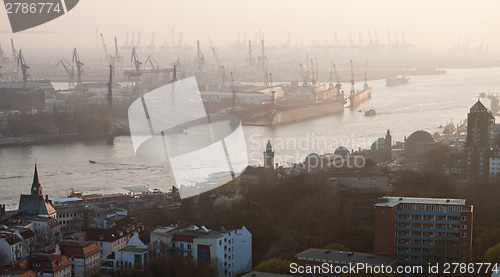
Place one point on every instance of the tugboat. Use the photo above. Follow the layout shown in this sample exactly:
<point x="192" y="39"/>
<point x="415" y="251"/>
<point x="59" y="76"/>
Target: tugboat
<point x="396" y="80"/>
<point x="370" y="112"/>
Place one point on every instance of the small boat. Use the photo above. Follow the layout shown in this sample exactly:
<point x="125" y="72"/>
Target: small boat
<point x="92" y="162"/>
<point x="396" y="80"/>
<point x="370" y="112"/>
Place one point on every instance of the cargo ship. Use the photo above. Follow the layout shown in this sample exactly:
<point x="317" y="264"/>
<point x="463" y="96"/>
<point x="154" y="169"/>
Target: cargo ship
<point x="300" y="103"/>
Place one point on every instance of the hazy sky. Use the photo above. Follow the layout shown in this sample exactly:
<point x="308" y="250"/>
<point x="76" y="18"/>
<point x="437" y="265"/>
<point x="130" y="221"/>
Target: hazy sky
<point x="427" y="23"/>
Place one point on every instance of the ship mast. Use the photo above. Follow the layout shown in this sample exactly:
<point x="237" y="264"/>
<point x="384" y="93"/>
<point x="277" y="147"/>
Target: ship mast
<point x="352" y="80"/>
<point x="366" y="74"/>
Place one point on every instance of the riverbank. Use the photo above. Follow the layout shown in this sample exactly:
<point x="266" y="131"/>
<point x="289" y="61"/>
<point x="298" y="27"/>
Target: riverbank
<point x="40" y="140"/>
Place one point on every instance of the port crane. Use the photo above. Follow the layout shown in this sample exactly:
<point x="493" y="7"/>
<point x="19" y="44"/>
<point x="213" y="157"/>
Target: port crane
<point x="125" y="43"/>
<point x="152" y="46"/>
<point x="79" y="67"/>
<point x="262" y="58"/>
<point x="137" y="65"/>
<point x="118" y="57"/>
<point x="180" y="68"/>
<point x="24" y="67"/>
<point x="70" y="69"/>
<point x="199" y="59"/>
<point x="108" y="62"/>
<point x="138" y="45"/>
<point x="250" y="59"/>
<point x="14" y="55"/>
<point x="155" y="68"/>
<point x="222" y="70"/>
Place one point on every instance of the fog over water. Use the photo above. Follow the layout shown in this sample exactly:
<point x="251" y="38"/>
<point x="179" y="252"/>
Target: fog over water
<point x="427" y="24"/>
<point x="425" y="104"/>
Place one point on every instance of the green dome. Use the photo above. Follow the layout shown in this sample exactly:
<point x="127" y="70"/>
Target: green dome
<point x="341" y="150"/>
<point x="312" y="156"/>
<point x="378" y="144"/>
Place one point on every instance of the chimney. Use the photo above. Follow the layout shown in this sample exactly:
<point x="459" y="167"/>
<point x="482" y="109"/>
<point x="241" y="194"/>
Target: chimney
<point x="46" y="198"/>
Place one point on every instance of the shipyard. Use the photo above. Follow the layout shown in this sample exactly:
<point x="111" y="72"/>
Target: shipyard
<point x="268" y="138"/>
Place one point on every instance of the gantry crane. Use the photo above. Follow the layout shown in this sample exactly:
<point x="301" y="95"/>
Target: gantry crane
<point x="222" y="70"/>
<point x="24" y="67"/>
<point x="137" y="65"/>
<point x="79" y="67"/>
<point x="262" y="58"/>
<point x="70" y="69"/>
<point x="155" y="68"/>
<point x="108" y="61"/>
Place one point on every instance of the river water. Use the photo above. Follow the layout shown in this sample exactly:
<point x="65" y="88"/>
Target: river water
<point x="425" y="104"/>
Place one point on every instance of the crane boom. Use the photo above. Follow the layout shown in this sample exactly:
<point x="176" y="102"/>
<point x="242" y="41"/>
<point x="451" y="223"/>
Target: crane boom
<point x="24" y="67"/>
<point x="222" y="70"/>
<point x="78" y="63"/>
<point x="352" y="80"/>
<point x="71" y="72"/>
<point x="105" y="50"/>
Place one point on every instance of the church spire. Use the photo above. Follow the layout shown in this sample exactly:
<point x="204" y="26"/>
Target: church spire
<point x="36" y="188"/>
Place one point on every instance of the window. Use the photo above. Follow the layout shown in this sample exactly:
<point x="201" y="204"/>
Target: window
<point x="463" y="235"/>
<point x="464" y="218"/>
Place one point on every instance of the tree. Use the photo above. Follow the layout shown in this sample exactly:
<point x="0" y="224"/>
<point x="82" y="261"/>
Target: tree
<point x="274" y="265"/>
<point x="492" y="255"/>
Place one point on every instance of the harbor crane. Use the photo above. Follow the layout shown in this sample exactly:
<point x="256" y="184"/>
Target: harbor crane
<point x="70" y="69"/>
<point x="152" y="46"/>
<point x="262" y="58"/>
<point x="138" y="45"/>
<point x="118" y="57"/>
<point x="222" y="70"/>
<point x="125" y="43"/>
<point x="79" y="67"/>
<point x="199" y="59"/>
<point x="14" y="55"/>
<point x="155" y="68"/>
<point x="24" y="67"/>
<point x="250" y="59"/>
<point x="108" y="62"/>
<point x="137" y="65"/>
<point x="180" y="68"/>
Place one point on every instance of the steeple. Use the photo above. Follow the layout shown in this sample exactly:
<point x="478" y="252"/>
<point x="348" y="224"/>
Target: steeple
<point x="36" y="188"/>
<point x="269" y="156"/>
<point x="268" y="145"/>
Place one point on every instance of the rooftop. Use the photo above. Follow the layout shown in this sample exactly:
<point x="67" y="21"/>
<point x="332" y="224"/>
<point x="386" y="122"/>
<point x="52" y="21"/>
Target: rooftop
<point x="264" y="274"/>
<point x="344" y="256"/>
<point x="394" y="201"/>
<point x="133" y="249"/>
<point x="75" y="243"/>
<point x="358" y="174"/>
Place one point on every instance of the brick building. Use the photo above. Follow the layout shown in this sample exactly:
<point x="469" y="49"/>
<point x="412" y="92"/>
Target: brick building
<point x="423" y="230"/>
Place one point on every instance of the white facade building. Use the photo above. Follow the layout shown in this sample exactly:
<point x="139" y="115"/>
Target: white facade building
<point x="230" y="250"/>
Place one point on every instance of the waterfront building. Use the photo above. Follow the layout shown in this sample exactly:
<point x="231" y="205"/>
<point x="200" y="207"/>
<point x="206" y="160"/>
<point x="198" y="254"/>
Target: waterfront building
<point x="423" y="230"/>
<point x="480" y="137"/>
<point x="230" y="250"/>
